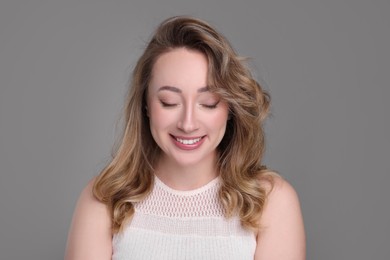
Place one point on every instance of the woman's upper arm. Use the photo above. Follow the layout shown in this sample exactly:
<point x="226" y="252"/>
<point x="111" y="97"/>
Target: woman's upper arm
<point x="282" y="234"/>
<point x="90" y="232"/>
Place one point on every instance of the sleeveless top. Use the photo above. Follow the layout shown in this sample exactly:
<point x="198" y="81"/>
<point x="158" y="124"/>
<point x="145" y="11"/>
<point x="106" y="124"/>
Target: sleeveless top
<point x="172" y="224"/>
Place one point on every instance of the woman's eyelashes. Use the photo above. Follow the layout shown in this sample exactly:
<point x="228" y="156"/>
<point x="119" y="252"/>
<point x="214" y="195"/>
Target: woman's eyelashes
<point x="167" y="104"/>
<point x="205" y="105"/>
<point x="211" y="106"/>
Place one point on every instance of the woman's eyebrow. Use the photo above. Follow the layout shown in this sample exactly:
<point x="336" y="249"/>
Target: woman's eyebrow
<point x="204" y="89"/>
<point x="170" y="88"/>
<point x="177" y="90"/>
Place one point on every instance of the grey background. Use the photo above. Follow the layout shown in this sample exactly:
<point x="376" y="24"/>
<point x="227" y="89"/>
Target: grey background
<point x="64" y="67"/>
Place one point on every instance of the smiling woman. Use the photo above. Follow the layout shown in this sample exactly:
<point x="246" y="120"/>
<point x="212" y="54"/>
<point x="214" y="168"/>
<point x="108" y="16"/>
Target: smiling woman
<point x="186" y="181"/>
<point x="187" y="121"/>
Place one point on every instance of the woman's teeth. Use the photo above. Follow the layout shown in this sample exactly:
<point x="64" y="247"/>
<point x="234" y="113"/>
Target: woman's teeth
<point x="188" y="141"/>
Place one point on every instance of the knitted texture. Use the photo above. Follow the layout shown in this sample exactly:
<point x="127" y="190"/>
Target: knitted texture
<point x="171" y="224"/>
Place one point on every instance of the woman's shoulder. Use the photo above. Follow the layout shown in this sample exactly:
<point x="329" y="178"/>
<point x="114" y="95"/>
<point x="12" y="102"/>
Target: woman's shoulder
<point x="281" y="195"/>
<point x="281" y="218"/>
<point x="88" y="203"/>
<point x="90" y="232"/>
<point x="275" y="185"/>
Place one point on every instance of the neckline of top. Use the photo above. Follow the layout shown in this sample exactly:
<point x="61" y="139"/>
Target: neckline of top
<point x="192" y="192"/>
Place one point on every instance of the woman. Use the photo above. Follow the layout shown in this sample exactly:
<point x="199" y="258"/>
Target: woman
<point x="186" y="181"/>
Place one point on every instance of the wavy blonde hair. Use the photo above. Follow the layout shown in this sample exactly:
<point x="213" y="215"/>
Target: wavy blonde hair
<point x="128" y="178"/>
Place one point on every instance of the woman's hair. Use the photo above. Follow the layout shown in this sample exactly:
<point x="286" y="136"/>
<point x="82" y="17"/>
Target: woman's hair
<point x="128" y="178"/>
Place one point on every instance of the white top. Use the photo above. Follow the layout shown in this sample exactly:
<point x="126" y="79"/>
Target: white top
<point x="172" y="224"/>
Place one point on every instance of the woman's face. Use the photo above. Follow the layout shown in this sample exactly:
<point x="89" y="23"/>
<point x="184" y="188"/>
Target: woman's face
<point x="187" y="121"/>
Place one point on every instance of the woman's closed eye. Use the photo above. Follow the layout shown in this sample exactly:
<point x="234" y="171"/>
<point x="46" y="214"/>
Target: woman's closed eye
<point x="172" y="104"/>
<point x="167" y="104"/>
<point x="211" y="106"/>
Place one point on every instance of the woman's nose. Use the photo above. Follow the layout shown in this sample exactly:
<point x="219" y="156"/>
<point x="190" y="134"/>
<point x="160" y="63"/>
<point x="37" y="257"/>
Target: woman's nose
<point x="188" y="122"/>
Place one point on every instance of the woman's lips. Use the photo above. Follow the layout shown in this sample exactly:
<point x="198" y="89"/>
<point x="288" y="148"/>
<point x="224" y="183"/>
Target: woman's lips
<point x="187" y="143"/>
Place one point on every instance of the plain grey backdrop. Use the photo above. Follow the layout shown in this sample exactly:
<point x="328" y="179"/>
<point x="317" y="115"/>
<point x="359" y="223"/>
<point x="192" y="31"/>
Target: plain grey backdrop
<point x="64" y="68"/>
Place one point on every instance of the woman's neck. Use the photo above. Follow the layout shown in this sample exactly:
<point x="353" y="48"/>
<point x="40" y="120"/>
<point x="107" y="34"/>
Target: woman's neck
<point x="186" y="177"/>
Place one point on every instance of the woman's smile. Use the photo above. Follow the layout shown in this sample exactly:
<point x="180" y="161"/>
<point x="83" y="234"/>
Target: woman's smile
<point x="188" y="143"/>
